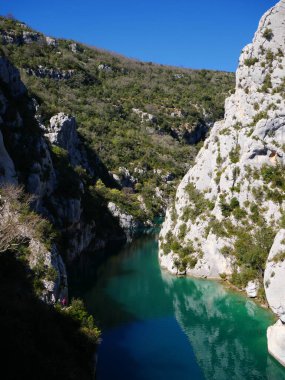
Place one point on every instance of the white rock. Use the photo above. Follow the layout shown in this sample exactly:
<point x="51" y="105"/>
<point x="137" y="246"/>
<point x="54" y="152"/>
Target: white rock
<point x="73" y="47"/>
<point x="105" y="68"/>
<point x="51" y="73"/>
<point x="127" y="222"/>
<point x="256" y="145"/>
<point x="276" y="341"/>
<point x="274" y="277"/>
<point x="51" y="41"/>
<point x="145" y="117"/>
<point x="62" y="131"/>
<point x="252" y="289"/>
<point x="54" y="289"/>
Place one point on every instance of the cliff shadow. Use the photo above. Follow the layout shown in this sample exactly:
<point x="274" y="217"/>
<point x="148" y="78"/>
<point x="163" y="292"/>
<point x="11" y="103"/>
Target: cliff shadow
<point x="37" y="341"/>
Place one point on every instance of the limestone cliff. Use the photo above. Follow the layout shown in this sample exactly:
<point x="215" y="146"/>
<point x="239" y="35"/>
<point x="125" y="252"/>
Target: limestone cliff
<point x="53" y="165"/>
<point x="228" y="212"/>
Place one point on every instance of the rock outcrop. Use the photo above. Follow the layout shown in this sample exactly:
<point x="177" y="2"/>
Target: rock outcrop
<point x="126" y="221"/>
<point x="62" y="131"/>
<point x="230" y="205"/>
<point x="10" y="77"/>
<point x="51" y="73"/>
<point x="22" y="37"/>
<point x="144" y="116"/>
<point x="252" y="289"/>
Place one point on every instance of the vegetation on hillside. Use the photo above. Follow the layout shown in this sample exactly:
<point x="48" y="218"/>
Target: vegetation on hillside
<point x="137" y="115"/>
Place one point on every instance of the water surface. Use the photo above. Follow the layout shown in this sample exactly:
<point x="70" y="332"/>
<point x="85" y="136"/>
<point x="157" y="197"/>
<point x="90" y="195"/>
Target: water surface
<point x="156" y="326"/>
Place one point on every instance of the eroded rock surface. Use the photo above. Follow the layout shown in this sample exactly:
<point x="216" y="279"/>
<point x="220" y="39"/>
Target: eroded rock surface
<point x="228" y="166"/>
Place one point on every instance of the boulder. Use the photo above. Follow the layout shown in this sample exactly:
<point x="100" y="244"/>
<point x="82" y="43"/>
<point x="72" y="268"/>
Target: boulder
<point x="252" y="289"/>
<point x="145" y="117"/>
<point x="105" y="68"/>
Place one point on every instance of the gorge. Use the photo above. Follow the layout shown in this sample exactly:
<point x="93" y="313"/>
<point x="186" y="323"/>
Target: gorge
<point x="92" y="149"/>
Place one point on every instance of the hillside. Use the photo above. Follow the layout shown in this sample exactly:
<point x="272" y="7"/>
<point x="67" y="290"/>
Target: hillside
<point x="139" y="117"/>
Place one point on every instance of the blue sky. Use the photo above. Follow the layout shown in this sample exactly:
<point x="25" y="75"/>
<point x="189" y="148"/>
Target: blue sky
<point x="188" y="33"/>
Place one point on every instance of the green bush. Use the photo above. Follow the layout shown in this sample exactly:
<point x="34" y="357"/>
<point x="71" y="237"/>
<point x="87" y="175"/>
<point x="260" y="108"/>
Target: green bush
<point x="259" y="116"/>
<point x="235" y="154"/>
<point x="228" y="208"/>
<point x="268" y="34"/>
<point x="250" y="61"/>
<point x="252" y="251"/>
<point x="78" y="312"/>
<point x="199" y="203"/>
<point x="267" y="84"/>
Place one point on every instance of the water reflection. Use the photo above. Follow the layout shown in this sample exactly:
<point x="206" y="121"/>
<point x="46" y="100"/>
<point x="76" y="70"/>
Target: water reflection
<point x="227" y="332"/>
<point x="157" y="326"/>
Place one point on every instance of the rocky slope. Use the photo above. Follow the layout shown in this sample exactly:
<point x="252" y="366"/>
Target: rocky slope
<point x="228" y="216"/>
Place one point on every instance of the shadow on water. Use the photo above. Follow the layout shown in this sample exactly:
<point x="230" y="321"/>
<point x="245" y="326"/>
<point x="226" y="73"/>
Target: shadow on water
<point x="89" y="278"/>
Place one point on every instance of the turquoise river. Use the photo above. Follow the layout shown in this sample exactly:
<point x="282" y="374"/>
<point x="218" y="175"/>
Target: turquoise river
<point x="157" y="326"/>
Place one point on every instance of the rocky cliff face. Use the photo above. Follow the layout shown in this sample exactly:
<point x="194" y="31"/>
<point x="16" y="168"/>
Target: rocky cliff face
<point x="54" y="166"/>
<point x="11" y="120"/>
<point x="229" y="208"/>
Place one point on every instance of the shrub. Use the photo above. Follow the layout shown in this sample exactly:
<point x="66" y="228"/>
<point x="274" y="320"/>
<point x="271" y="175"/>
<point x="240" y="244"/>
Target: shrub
<point x="252" y="251"/>
<point x="182" y="231"/>
<point x="228" y="208"/>
<point x="259" y="116"/>
<point x="268" y="34"/>
<point x="250" y="61"/>
<point x="279" y="257"/>
<point x="234" y="154"/>
<point x="78" y="312"/>
<point x="267" y="84"/>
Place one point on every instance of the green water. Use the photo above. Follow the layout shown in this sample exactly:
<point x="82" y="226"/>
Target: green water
<point x="156" y="326"/>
